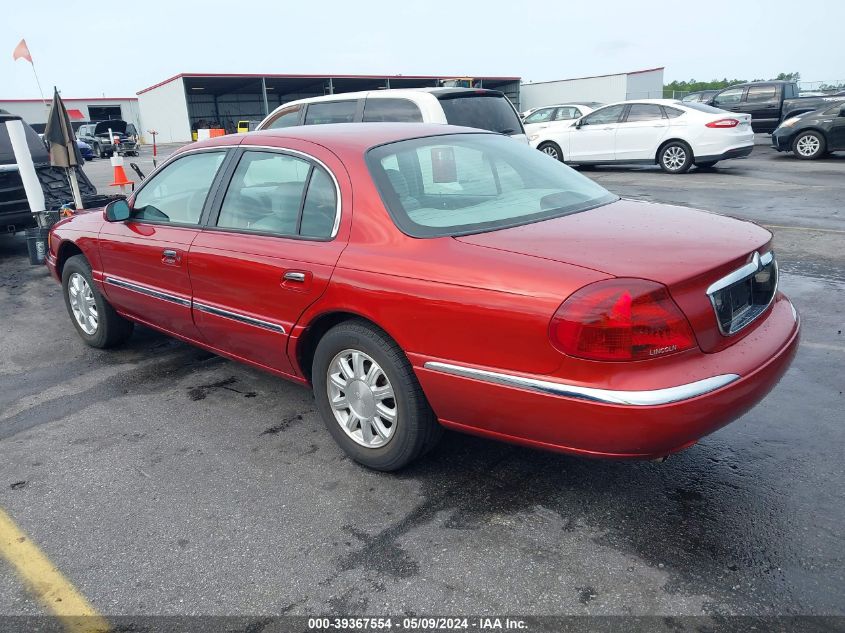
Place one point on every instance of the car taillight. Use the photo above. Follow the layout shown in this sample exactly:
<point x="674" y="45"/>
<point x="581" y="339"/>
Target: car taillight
<point x="619" y="320"/>
<point x="723" y="123"/>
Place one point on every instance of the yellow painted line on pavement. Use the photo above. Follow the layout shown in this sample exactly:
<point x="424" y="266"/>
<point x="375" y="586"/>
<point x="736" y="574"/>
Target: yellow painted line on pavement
<point x="47" y="583"/>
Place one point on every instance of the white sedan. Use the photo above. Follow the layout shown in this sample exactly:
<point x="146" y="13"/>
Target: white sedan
<point x="559" y="115"/>
<point x="672" y="134"/>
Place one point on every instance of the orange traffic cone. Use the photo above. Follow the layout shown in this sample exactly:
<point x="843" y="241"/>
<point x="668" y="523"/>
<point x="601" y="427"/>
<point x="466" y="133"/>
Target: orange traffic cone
<point x="120" y="179"/>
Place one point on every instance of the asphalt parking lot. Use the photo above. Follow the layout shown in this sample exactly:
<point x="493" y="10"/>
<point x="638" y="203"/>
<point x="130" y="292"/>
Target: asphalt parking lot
<point x="161" y="479"/>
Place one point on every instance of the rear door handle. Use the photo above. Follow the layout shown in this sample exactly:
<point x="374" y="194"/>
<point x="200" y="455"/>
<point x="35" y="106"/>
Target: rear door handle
<point x="170" y="256"/>
<point x="293" y="275"/>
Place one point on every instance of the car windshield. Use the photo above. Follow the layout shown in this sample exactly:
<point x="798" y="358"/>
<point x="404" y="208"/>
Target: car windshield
<point x="471" y="183"/>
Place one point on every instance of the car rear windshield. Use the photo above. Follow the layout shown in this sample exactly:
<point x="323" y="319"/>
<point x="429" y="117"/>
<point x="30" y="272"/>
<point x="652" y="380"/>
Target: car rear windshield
<point x="484" y="110"/>
<point x="702" y="107"/>
<point x="457" y="184"/>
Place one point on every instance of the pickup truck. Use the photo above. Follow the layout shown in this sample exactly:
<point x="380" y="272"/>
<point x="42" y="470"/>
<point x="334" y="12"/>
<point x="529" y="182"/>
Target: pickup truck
<point x="15" y="214"/>
<point x="768" y="102"/>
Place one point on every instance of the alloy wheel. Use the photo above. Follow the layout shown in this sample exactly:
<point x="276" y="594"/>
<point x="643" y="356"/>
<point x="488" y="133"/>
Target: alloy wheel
<point x="362" y="398"/>
<point x="82" y="303"/>
<point x="674" y="157"/>
<point x="551" y="151"/>
<point x="807" y="145"/>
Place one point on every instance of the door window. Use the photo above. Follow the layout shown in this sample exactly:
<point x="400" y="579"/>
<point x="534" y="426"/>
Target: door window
<point x="729" y="97"/>
<point x="280" y="194"/>
<point x="567" y="114"/>
<point x="330" y="112"/>
<point x="177" y="193"/>
<point x="540" y="116"/>
<point x="757" y="94"/>
<point x="644" y="112"/>
<point x="401" y="110"/>
<point x="286" y="118"/>
<point x="610" y="114"/>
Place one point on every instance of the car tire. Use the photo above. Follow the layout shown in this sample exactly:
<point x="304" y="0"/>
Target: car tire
<point x="809" y="145"/>
<point x="675" y="157"/>
<point x="551" y="149"/>
<point x="708" y="164"/>
<point x="83" y="301"/>
<point x="349" y="358"/>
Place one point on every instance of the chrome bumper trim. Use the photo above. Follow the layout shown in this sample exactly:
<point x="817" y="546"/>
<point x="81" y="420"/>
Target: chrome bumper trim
<point x="241" y="318"/>
<point x="150" y="292"/>
<point x="604" y="396"/>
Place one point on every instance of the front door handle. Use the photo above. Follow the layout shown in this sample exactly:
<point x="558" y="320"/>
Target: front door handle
<point x="293" y="275"/>
<point x="170" y="256"/>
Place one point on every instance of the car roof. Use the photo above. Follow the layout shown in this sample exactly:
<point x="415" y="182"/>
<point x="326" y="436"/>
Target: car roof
<point x="352" y="137"/>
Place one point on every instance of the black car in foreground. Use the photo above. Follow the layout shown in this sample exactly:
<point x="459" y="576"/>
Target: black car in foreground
<point x="812" y="134"/>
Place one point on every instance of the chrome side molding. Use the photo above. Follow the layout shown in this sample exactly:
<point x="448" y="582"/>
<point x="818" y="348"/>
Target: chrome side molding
<point x="150" y="292"/>
<point x="241" y="318"/>
<point x="605" y="396"/>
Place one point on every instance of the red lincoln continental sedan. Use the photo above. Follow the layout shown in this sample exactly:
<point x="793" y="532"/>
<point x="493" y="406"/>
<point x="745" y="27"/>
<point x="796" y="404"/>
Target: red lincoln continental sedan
<point x="426" y="276"/>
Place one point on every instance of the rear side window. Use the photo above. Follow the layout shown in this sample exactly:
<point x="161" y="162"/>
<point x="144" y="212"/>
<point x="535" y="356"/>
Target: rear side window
<point x="644" y="112"/>
<point x="281" y="194"/>
<point x="486" y="111"/>
<point x="330" y="112"/>
<point x="287" y="118"/>
<point x="761" y="93"/>
<point x="567" y="113"/>
<point x="673" y="113"/>
<point x="396" y="110"/>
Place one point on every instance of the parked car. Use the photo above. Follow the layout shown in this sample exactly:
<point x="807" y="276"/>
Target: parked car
<point x="85" y="150"/>
<point x="672" y="134"/>
<point x="768" y="102"/>
<point x="551" y="117"/>
<point x="811" y="135"/>
<point x="702" y="96"/>
<point x="15" y="214"/>
<point x="97" y="136"/>
<point x="472" y="107"/>
<point x="418" y="274"/>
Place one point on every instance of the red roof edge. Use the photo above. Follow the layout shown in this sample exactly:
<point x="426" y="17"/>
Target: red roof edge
<point x="48" y="101"/>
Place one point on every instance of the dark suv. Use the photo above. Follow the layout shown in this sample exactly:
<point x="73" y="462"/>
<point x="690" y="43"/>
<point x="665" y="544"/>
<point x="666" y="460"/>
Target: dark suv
<point x="15" y="214"/>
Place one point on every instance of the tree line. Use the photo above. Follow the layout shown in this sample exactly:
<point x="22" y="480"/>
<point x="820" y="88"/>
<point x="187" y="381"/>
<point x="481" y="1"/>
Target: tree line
<point x="693" y="85"/>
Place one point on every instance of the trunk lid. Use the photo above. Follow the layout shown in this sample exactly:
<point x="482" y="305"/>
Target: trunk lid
<point x="684" y="249"/>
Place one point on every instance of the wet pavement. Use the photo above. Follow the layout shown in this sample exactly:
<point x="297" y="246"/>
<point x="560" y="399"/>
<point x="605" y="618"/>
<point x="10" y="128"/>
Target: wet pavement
<point x="161" y="479"/>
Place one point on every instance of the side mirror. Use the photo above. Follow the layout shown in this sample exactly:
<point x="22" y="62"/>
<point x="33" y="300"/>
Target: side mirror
<point x="578" y="124"/>
<point x="118" y="211"/>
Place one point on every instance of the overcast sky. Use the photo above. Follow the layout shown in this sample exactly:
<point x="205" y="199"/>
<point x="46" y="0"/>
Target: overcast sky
<point x="537" y="41"/>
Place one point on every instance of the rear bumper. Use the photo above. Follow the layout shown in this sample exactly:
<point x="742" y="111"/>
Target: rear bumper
<point x="592" y="420"/>
<point x="736" y="152"/>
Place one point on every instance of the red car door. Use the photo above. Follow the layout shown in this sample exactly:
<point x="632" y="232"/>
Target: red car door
<point x="144" y="259"/>
<point x="267" y="253"/>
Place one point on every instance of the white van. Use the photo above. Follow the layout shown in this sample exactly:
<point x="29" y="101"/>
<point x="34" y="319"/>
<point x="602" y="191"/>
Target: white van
<point x="469" y="107"/>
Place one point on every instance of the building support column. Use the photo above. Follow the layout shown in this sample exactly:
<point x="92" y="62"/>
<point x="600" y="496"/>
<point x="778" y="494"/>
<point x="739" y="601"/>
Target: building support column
<point x="264" y="95"/>
<point x="331" y="86"/>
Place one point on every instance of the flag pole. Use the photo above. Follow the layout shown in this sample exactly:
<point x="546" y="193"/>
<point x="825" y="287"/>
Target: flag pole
<point x="37" y="81"/>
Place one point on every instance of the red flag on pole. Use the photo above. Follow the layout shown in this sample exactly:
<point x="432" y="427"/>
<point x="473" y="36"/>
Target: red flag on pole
<point x="22" y="51"/>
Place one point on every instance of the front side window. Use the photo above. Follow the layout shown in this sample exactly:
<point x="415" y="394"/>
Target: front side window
<point x="277" y="193"/>
<point x="286" y="118"/>
<point x="610" y="114"/>
<point x="177" y="193"/>
<point x="330" y="112"/>
<point x="470" y="183"/>
<point x="540" y="116"/>
<point x="728" y="97"/>
<point x="761" y="93"/>
<point x="397" y="110"/>
<point x="644" y="112"/>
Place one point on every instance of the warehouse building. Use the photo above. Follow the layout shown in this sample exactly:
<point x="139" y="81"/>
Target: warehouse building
<point x="179" y="106"/>
<point x="639" y="84"/>
<point x="34" y="111"/>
